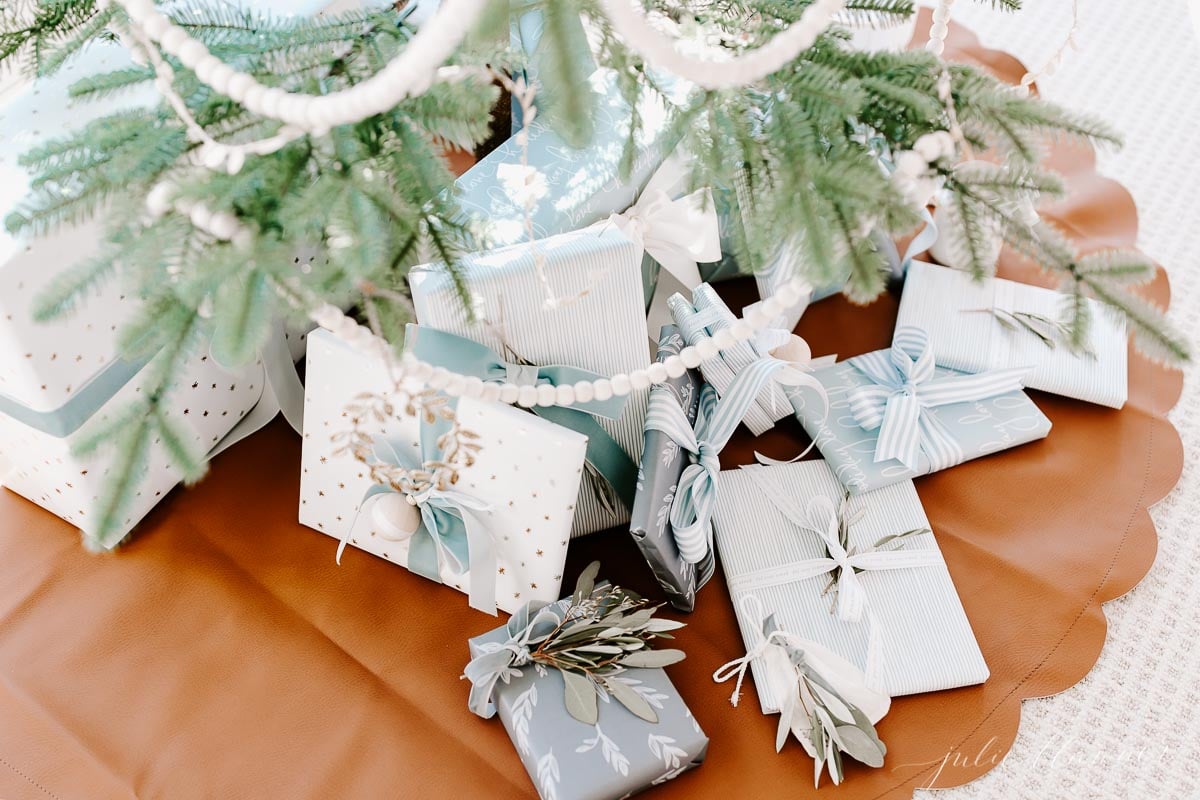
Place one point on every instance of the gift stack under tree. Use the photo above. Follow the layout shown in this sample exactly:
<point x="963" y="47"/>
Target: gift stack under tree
<point x="560" y="364"/>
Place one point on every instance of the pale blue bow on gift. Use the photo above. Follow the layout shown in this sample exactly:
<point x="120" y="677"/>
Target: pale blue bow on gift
<point x="904" y="390"/>
<point x="501" y="662"/>
<point x="453" y="530"/>
<point x="696" y="494"/>
<point x="467" y="357"/>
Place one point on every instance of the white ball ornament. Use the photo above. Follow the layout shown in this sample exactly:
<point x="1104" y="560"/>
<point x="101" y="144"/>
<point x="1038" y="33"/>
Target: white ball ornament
<point x="396" y="516"/>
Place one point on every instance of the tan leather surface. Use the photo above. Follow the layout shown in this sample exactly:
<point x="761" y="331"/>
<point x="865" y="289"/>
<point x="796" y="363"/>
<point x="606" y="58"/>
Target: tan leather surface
<point x="223" y="654"/>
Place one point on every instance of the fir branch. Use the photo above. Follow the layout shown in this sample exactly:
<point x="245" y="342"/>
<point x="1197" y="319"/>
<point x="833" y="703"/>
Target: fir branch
<point x="1154" y="337"/>
<point x="1122" y="267"/>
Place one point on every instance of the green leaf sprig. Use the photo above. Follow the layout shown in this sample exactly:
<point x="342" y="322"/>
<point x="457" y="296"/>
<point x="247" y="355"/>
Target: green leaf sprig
<point x="603" y="632"/>
<point x="846" y="519"/>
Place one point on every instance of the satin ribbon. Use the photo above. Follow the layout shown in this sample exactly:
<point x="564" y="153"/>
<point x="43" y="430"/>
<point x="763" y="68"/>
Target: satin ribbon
<point x="696" y="494"/>
<point x="926" y="237"/>
<point x="823" y="519"/>
<point x="452" y="532"/>
<point x="677" y="233"/>
<point x="467" y="357"/>
<point x="782" y="675"/>
<point x="903" y="391"/>
<point x="502" y="661"/>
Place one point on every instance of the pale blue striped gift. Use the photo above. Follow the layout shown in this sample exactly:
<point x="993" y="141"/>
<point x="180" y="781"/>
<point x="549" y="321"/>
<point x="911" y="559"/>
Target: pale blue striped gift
<point x="910" y="614"/>
<point x="953" y="308"/>
<point x="895" y="415"/>
<point x="603" y="329"/>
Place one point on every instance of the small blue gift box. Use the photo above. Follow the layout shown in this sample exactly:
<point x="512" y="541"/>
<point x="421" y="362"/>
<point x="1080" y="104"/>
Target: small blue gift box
<point x="571" y="760"/>
<point x="894" y="415"/>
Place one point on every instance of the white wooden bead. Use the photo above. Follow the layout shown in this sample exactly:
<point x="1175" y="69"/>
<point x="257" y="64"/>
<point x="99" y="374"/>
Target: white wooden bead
<point x="219" y="80"/>
<point x="253" y="96"/>
<point x="509" y="393"/>
<point x="565" y="395"/>
<point x="603" y="389"/>
<point x="675" y="366"/>
<point x="584" y="392"/>
<point x="439" y="378"/>
<point x="201" y="217"/>
<point x="420" y="370"/>
<point x="270" y="102"/>
<point x="772" y="307"/>
<point x="454" y="387"/>
<point x="723" y="338"/>
<point x="223" y="226"/>
<point x="639" y="380"/>
<point x="741" y="330"/>
<point x="190" y="52"/>
<point x="690" y="357"/>
<point x="490" y="392"/>
<point x="705" y="348"/>
<point x="239" y="85"/>
<point x="756" y="317"/>
<point x="547" y="394"/>
<point x="156" y="25"/>
<point x="657" y="372"/>
<point x="527" y="396"/>
<point x="621" y="385"/>
<point x="472" y="386"/>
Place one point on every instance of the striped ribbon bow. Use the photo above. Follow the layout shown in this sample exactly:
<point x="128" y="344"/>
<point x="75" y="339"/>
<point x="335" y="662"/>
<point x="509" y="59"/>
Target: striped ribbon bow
<point x="904" y="389"/>
<point x="845" y="563"/>
<point x="695" y="497"/>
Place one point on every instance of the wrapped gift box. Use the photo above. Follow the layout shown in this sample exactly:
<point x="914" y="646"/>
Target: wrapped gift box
<point x="619" y="756"/>
<point x="975" y="428"/>
<point x="705" y="314"/>
<point x="912" y="635"/>
<point x="663" y="463"/>
<point x="954" y="309"/>
<point x="59" y="378"/>
<point x="602" y="329"/>
<point x="527" y="472"/>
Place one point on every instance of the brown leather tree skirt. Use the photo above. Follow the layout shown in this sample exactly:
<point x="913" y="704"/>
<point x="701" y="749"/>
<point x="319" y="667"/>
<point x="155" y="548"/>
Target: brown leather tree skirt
<point x="223" y="654"/>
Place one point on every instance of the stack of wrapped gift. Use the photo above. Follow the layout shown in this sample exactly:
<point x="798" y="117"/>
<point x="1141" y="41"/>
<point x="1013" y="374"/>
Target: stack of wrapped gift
<point x="60" y="379"/>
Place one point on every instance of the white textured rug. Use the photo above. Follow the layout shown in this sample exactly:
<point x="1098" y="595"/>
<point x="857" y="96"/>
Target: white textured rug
<point x="1131" y="728"/>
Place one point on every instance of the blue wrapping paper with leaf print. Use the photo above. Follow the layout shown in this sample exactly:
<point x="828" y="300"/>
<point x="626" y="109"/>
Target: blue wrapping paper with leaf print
<point x="571" y="760"/>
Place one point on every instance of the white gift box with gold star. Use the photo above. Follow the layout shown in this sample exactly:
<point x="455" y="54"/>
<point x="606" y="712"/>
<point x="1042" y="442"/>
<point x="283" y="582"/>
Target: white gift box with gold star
<point x="522" y="485"/>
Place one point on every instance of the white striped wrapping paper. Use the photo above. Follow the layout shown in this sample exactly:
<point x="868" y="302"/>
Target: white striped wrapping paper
<point x="603" y="331"/>
<point x="941" y="301"/>
<point x="925" y="637"/>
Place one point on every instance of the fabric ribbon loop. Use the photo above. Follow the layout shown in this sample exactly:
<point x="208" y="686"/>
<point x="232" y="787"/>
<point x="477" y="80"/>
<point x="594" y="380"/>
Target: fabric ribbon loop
<point x="677" y="233"/>
<point x="904" y="387"/>
<point x="502" y="661"/>
<point x="467" y="357"/>
<point x="453" y="531"/>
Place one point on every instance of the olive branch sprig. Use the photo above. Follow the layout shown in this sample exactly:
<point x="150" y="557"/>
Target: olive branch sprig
<point x="603" y="632"/>
<point x="846" y="519"/>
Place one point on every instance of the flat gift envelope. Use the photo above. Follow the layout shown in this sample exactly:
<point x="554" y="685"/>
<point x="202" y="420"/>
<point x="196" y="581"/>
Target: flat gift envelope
<point x="912" y="636"/>
<point x="997" y="324"/>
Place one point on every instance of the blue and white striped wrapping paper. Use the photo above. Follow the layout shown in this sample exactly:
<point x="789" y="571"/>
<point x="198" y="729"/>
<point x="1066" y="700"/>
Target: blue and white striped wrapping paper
<point x="924" y="637"/>
<point x="603" y="330"/>
<point x="981" y="427"/>
<point x="943" y="302"/>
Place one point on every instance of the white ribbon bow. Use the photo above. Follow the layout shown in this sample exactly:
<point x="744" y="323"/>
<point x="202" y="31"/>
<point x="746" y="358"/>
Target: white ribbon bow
<point x="677" y="233"/>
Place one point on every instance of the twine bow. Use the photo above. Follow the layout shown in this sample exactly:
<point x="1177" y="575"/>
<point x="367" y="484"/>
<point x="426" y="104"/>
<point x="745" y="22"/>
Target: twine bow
<point x="903" y="390"/>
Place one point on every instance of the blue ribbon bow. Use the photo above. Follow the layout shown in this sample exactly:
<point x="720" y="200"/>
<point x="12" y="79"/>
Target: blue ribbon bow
<point x="467" y="357"/>
<point x="502" y="661"/>
<point x="696" y="494"/>
<point x="903" y="391"/>
<point x="452" y="530"/>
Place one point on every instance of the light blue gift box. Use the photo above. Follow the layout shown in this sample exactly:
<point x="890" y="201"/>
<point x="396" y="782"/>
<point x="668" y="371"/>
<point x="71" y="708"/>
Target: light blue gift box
<point x="620" y="755"/>
<point x="980" y="427"/>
